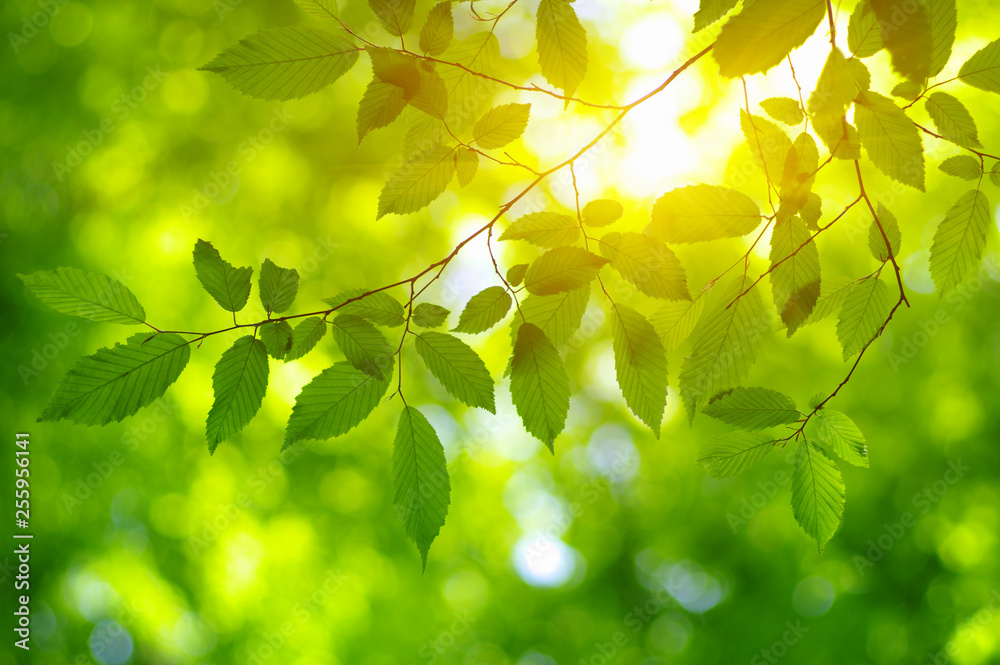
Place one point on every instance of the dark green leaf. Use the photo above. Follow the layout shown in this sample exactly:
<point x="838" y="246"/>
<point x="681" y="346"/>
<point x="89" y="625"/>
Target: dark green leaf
<point x="239" y="383"/>
<point x="230" y="286"/>
<point x="333" y="403"/>
<point x="277" y="338"/>
<point x="278" y="287"/>
<point x="515" y="274"/>
<point x="429" y="315"/>
<point x="908" y="39"/>
<point x="363" y="345"/>
<point x="305" y="336"/>
<point x="378" y="307"/>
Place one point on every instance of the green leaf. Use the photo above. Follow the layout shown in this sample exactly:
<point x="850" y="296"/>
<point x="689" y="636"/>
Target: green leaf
<point x="395" y="68"/>
<point x="420" y="180"/>
<point x="734" y="452"/>
<point x="473" y="94"/>
<point x="818" y="493"/>
<point x="795" y="281"/>
<point x="876" y="243"/>
<point x="769" y="144"/>
<point x="839" y="136"/>
<point x="960" y="240"/>
<point x="396" y="16"/>
<point x="432" y="94"/>
<point x="602" y="212"/>
<point x="842" y="435"/>
<point x="277" y="338"/>
<point x="836" y="87"/>
<point x="515" y="274"/>
<point x="421" y="490"/>
<point x="640" y="365"/>
<point x="864" y="36"/>
<point x="952" y="119"/>
<point x="545" y="229"/>
<point x="753" y="408"/>
<point x="305" y="336"/>
<point x="539" y="385"/>
<point x="812" y="210"/>
<point x="966" y="167"/>
<point x="501" y="125"/>
<point x="338" y="399"/>
<point x="647" y="263"/>
<point x="675" y="321"/>
<point x="562" y="269"/>
<point x="562" y="45"/>
<point x="726" y="342"/>
<point x="438" y="31"/>
<point x="378" y="307"/>
<point x="865" y="309"/>
<point x="380" y="106"/>
<point x="319" y="8"/>
<point x="710" y="11"/>
<point x="907" y="90"/>
<point x="891" y="140"/>
<point x="239" y="382"/>
<point x="429" y="315"/>
<point x="484" y="310"/>
<point x="799" y="173"/>
<point x="558" y="316"/>
<point x="760" y="36"/>
<point x="703" y="212"/>
<point x="285" y="63"/>
<point x="278" y="287"/>
<point x="117" y="382"/>
<point x="982" y="70"/>
<point x="944" y="21"/>
<point x="88" y="295"/>
<point x="783" y="109"/>
<point x="459" y="369"/>
<point x="908" y="39"/>
<point x="363" y="346"/>
<point x="466" y="165"/>
<point x="230" y="286"/>
<point x="831" y="299"/>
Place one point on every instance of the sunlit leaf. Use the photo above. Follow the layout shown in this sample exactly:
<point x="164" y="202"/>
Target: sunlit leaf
<point x="890" y="139"/>
<point x="363" y="345"/>
<point x="960" y="240"/>
<point x="562" y="45"/>
<point x="601" y="212"/>
<point x="378" y="307"/>
<point x="783" y="109"/>
<point x="795" y="281"/>
<point x="710" y="11"/>
<point x="277" y="338"/>
<point x="484" y="310"/>
<point x="982" y="70"/>
<point x="753" y="408"/>
<point x="842" y="436"/>
<point x="418" y="181"/>
<point x="760" y="36"/>
<point x="703" y="212"/>
<point x="862" y="315"/>
<point x="876" y="243"/>
<point x="675" y="321"/>
<point x="545" y="229"/>
<point x="437" y="33"/>
<point x="952" y="119"/>
<point x="396" y="16"/>
<point x="864" y="36"/>
<point x="429" y="315"/>
<point x="640" y="365"/>
<point x="305" y="336"/>
<point x="501" y="125"/>
<point x="734" y="452"/>
<point x="285" y="63"/>
<point x="562" y="269"/>
<point x="539" y="385"/>
<point x="647" y="263"/>
<point x="966" y="167"/>
<point x="229" y="285"/>
<point x="459" y="369"/>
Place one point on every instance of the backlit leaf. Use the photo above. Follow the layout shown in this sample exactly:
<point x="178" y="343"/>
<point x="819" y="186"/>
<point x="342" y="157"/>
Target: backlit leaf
<point x="703" y="212"/>
<point x="601" y="212"/>
<point x="876" y="243"/>
<point x="960" y="240"/>
<point x="753" y="408"/>
<point x="640" y="365"/>
<point x="982" y="70"/>
<point x="647" y="263"/>
<point x="484" y="310"/>
<point x="840" y="433"/>
<point x="783" y="109"/>
<point x="459" y="369"/>
<point x="227" y="284"/>
<point x="115" y="383"/>
<point x="378" y="307"/>
<point x="305" y="336"/>
<point x="396" y="16"/>
<point x="864" y="36"/>
<point x="966" y="167"/>
<point x="88" y="295"/>
<point x="890" y="139"/>
<point x="795" y="281"/>
<point x="675" y="321"/>
<point x="501" y="125"/>
<point x="865" y="309"/>
<point x="418" y="182"/>
<point x="562" y="45"/>
<point x="952" y="120"/>
<point x="438" y="31"/>
<point x="338" y="399"/>
<point x="734" y="452"/>
<point x="420" y="486"/>
<point x="562" y="269"/>
<point x="539" y="385"/>
<point x="760" y="36"/>
<point x="285" y="63"/>
<point x="239" y="383"/>
<point x="818" y="493"/>
<point x="363" y="345"/>
<point x="278" y="287"/>
<point x="429" y="315"/>
<point x="545" y="229"/>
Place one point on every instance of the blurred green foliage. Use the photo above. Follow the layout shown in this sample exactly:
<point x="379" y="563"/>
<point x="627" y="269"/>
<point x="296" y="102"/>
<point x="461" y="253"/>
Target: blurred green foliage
<point x="617" y="549"/>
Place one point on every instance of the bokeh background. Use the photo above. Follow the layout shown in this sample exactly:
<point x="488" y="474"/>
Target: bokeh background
<point x="618" y="549"/>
